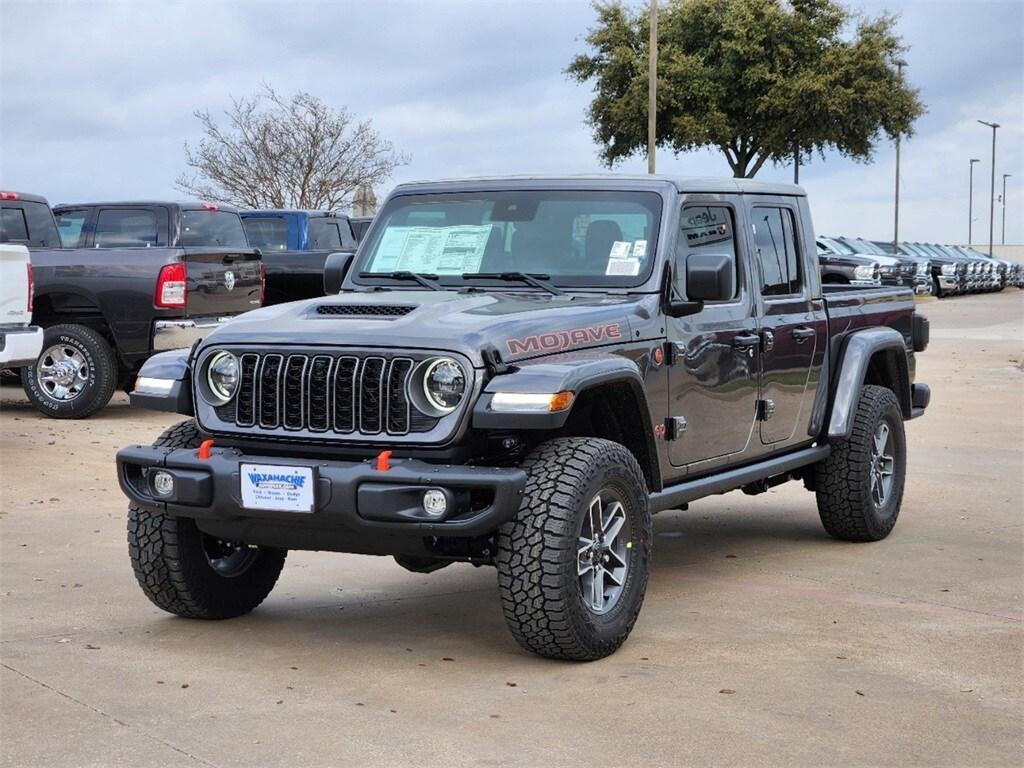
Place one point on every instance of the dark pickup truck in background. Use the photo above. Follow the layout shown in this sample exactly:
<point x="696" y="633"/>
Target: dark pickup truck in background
<point x="116" y="282"/>
<point x="295" y="246"/>
<point x="517" y="372"/>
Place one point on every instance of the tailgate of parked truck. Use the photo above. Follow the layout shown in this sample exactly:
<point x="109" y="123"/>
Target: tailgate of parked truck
<point x="222" y="281"/>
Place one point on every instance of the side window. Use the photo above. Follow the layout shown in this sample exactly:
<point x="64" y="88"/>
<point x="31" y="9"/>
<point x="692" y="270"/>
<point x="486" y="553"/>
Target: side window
<point x="776" y="251"/>
<point x="323" y="234"/>
<point x="348" y="239"/>
<point x="126" y="228"/>
<point x="69" y="226"/>
<point x="266" y="232"/>
<point x="13" y="228"/>
<point x="706" y="229"/>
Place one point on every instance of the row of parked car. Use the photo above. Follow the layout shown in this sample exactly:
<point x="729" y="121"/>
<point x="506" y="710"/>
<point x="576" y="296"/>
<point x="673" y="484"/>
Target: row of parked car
<point x="95" y="289"/>
<point x="928" y="268"/>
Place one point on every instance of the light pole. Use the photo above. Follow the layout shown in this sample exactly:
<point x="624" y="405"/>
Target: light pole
<point x="900" y="64"/>
<point x="652" y="87"/>
<point x="1005" y="177"/>
<point x="970" y="203"/>
<point x="992" y="192"/>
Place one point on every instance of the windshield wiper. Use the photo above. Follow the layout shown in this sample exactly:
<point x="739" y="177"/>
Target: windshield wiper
<point x="536" y="279"/>
<point x="424" y="279"/>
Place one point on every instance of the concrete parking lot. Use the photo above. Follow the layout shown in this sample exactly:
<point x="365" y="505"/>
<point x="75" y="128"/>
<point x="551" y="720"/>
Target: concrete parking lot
<point x="761" y="642"/>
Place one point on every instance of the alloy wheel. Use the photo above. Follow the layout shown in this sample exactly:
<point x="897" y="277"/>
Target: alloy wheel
<point x="603" y="552"/>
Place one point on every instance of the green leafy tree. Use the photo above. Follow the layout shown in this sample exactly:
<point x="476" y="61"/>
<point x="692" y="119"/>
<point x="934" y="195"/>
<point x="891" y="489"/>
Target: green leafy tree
<point x="759" y="80"/>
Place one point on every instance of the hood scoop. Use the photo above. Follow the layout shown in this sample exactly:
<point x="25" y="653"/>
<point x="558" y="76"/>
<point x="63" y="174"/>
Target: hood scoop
<point x="382" y="311"/>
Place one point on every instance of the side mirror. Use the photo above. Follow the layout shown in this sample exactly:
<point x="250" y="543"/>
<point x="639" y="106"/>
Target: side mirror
<point x="709" y="277"/>
<point x="335" y="269"/>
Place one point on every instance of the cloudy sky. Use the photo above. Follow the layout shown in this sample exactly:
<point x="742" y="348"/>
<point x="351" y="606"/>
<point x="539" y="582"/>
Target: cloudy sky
<point x="96" y="98"/>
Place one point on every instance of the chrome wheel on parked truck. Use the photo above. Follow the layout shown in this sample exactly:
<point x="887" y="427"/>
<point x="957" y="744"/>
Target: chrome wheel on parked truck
<point x="74" y="376"/>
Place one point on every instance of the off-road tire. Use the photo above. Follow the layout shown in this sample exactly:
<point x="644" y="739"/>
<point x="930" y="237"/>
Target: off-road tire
<point x="843" y="480"/>
<point x="537" y="551"/>
<point x="171" y="567"/>
<point x="102" y="365"/>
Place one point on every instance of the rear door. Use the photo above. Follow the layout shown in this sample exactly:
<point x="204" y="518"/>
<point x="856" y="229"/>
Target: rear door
<point x="793" y="321"/>
<point x="713" y="377"/>
<point x="14" y="285"/>
<point x="224" y="275"/>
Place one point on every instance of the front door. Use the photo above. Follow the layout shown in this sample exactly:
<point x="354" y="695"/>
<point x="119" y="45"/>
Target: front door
<point x="793" y="325"/>
<point x="713" y="378"/>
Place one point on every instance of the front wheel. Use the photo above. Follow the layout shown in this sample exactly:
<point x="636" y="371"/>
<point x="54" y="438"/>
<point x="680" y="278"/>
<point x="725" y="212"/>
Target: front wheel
<point x="192" y="574"/>
<point x="860" y="484"/>
<point x="573" y="565"/>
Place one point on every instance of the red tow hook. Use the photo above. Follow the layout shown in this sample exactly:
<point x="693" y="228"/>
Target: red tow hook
<point x="204" y="449"/>
<point x="383" y="461"/>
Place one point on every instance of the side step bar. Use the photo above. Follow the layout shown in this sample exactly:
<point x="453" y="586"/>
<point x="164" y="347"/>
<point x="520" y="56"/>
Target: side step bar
<point x="683" y="493"/>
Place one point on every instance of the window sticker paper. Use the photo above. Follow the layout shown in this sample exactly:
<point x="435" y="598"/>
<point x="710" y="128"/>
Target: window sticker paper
<point x="620" y="249"/>
<point x="623" y="268"/>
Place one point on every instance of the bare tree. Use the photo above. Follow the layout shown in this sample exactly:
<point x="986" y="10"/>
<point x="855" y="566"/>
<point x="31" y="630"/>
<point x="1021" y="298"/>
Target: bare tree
<point x="278" y="152"/>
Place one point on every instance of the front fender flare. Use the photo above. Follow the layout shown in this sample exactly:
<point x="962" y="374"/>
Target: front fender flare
<point x="173" y="366"/>
<point x="852" y="368"/>
<point x="570" y="375"/>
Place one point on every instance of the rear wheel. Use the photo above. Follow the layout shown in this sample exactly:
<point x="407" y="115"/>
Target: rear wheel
<point x="860" y="484"/>
<point x="572" y="566"/>
<point x="75" y="374"/>
<point x="192" y="574"/>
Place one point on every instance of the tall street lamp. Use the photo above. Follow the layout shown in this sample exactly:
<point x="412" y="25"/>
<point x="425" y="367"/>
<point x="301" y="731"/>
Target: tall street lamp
<point x="992" y="192"/>
<point x="970" y="202"/>
<point x="1005" y="177"/>
<point x="900" y="64"/>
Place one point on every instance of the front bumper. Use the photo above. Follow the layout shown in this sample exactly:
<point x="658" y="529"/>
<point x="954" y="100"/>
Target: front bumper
<point x="352" y="495"/>
<point x="183" y="333"/>
<point x="20" y="346"/>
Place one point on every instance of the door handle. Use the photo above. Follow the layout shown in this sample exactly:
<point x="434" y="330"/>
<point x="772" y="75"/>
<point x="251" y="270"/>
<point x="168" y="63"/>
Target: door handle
<point x="803" y="333"/>
<point x="746" y="340"/>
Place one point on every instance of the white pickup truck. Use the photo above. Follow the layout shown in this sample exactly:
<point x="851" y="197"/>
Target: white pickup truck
<point x="20" y="342"/>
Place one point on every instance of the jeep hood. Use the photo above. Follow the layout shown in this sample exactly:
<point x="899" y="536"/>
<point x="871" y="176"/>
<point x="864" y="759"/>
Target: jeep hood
<point x="519" y="325"/>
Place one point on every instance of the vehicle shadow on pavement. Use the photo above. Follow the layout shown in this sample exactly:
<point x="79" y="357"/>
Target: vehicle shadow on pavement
<point x="458" y="610"/>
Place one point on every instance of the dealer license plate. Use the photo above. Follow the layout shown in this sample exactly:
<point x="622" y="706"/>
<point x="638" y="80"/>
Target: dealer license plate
<point x="277" y="488"/>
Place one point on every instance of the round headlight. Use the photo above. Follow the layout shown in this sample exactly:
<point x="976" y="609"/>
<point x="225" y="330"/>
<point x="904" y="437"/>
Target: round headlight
<point x="444" y="384"/>
<point x="222" y="376"/>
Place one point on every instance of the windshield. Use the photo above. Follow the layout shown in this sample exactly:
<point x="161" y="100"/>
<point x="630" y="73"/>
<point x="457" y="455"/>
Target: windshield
<point x="836" y="247"/>
<point x="212" y="229"/>
<point x="577" y="238"/>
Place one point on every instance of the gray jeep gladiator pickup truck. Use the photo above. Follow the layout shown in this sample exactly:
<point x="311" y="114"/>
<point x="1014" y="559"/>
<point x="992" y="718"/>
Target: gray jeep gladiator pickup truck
<point x="519" y="372"/>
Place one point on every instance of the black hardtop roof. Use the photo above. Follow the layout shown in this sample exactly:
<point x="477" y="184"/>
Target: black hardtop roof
<point x="681" y="184"/>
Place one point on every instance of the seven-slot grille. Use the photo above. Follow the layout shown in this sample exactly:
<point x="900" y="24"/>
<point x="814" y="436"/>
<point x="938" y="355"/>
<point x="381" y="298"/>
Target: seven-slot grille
<point x="346" y="394"/>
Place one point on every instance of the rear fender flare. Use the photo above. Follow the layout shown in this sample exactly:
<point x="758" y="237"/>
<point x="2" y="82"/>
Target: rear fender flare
<point x="858" y="350"/>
